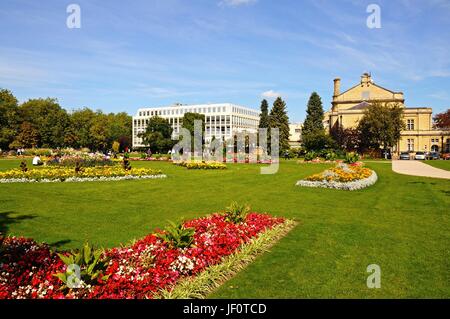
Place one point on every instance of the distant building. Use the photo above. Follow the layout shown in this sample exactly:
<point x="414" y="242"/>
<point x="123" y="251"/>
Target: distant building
<point x="347" y="108"/>
<point x="295" y="134"/>
<point x="222" y="120"/>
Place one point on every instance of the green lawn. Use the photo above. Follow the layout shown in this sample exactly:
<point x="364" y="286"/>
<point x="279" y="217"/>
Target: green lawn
<point x="401" y="223"/>
<point x="440" y="164"/>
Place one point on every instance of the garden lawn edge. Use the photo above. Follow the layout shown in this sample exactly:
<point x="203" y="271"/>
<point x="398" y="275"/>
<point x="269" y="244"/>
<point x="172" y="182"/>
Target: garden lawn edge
<point x="213" y="277"/>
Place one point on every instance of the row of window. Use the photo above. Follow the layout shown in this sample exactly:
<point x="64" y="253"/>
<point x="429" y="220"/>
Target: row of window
<point x="410" y="143"/>
<point x="223" y="119"/>
<point x="203" y="110"/>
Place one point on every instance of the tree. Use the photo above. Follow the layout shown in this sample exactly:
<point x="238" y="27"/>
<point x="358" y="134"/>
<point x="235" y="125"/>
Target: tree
<point x="28" y="136"/>
<point x="9" y="118"/>
<point x="381" y="125"/>
<point x="78" y="133"/>
<point x="47" y="116"/>
<point x="279" y="119"/>
<point x="314" y="115"/>
<point x="442" y="120"/>
<point x="313" y="133"/>
<point x="158" y="135"/>
<point x="188" y="123"/>
<point x="264" y="120"/>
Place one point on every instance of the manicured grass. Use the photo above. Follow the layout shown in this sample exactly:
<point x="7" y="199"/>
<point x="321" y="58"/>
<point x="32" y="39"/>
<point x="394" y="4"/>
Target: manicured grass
<point x="440" y="164"/>
<point x="401" y="223"/>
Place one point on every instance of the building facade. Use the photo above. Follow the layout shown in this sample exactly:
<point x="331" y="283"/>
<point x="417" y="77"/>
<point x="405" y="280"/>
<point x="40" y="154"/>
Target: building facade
<point x="222" y="121"/>
<point x="295" y="134"/>
<point x="347" y="108"/>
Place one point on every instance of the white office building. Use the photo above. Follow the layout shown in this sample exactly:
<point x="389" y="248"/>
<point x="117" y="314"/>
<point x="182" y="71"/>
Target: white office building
<point x="222" y="120"/>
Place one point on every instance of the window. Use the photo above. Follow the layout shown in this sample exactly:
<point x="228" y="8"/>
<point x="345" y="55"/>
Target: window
<point x="410" y="125"/>
<point x="410" y="144"/>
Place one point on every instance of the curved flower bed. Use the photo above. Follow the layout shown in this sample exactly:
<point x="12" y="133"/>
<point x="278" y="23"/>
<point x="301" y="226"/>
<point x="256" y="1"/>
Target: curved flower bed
<point x="202" y="165"/>
<point x="56" y="174"/>
<point x="141" y="270"/>
<point x="343" y="176"/>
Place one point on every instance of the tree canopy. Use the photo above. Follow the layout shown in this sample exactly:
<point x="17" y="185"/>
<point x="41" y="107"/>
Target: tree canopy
<point x="158" y="135"/>
<point x="381" y="125"/>
<point x="44" y="123"/>
<point x="442" y="120"/>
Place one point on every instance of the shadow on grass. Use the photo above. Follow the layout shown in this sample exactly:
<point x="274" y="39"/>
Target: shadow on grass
<point x="7" y="219"/>
<point x="60" y="243"/>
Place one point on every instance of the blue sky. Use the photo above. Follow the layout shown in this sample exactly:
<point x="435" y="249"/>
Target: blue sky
<point x="140" y="53"/>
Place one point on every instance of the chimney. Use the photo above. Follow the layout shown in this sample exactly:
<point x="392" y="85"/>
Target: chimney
<point x="337" y="86"/>
<point x="366" y="79"/>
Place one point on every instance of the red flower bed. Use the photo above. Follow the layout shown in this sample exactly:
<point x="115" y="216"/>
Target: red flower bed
<point x="138" y="271"/>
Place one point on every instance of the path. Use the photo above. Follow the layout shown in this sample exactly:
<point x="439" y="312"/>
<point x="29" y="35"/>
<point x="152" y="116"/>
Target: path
<point x="417" y="168"/>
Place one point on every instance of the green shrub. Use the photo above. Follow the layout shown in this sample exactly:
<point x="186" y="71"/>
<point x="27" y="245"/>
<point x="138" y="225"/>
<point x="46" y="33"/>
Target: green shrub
<point x="310" y="156"/>
<point x="351" y="157"/>
<point x="23" y="166"/>
<point x="92" y="265"/>
<point x="177" y="235"/>
<point x="330" y="156"/>
<point x="236" y="213"/>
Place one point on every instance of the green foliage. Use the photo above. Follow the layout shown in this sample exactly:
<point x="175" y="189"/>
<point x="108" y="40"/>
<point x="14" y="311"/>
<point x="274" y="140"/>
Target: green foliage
<point x="177" y="235"/>
<point x="9" y="118"/>
<point x="158" y="135"/>
<point x="44" y="123"/>
<point x="188" y="123"/>
<point x="314" y="116"/>
<point x="126" y="164"/>
<point x="279" y="119"/>
<point x="116" y="146"/>
<point x="381" y="125"/>
<point x="92" y="265"/>
<point x="317" y="141"/>
<point x="264" y="120"/>
<point x="309" y="156"/>
<point x="330" y="156"/>
<point x="351" y="157"/>
<point x="236" y="213"/>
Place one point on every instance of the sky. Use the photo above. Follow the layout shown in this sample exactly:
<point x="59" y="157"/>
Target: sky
<point x="148" y="53"/>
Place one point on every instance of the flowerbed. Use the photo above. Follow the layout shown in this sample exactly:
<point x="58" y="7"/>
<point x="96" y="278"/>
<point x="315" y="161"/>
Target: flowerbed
<point x="82" y="159"/>
<point x="60" y="174"/>
<point x="141" y="270"/>
<point x="343" y="176"/>
<point x="202" y="165"/>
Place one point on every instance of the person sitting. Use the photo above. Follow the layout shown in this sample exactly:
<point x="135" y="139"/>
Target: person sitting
<point x="37" y="161"/>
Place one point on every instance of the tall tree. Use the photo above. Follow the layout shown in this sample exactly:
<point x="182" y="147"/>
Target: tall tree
<point x="9" y="118"/>
<point x="47" y="116"/>
<point x="314" y="115"/>
<point x="158" y="135"/>
<point x="264" y="120"/>
<point x="381" y="125"/>
<point x="442" y="120"/>
<point x="28" y="136"/>
<point x="279" y="119"/>
<point x="188" y="123"/>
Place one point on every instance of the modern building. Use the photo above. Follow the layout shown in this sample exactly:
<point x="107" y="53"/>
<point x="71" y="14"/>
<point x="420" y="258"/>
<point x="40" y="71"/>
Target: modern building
<point x="295" y="134"/>
<point x="347" y="108"/>
<point x="222" y="121"/>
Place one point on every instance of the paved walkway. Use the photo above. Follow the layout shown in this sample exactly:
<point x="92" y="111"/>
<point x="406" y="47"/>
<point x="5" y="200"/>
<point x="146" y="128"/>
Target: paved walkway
<point x="417" y="168"/>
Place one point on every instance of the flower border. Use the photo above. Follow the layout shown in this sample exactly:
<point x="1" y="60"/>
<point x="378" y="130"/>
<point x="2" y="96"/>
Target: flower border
<point x="81" y="179"/>
<point x="349" y="186"/>
<point x="213" y="277"/>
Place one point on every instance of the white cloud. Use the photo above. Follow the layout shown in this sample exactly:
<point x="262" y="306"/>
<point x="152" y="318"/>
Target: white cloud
<point x="271" y="94"/>
<point x="236" y="3"/>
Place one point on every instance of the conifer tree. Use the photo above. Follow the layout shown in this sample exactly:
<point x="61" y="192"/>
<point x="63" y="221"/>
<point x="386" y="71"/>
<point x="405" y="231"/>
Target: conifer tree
<point x="279" y="119"/>
<point x="264" y="115"/>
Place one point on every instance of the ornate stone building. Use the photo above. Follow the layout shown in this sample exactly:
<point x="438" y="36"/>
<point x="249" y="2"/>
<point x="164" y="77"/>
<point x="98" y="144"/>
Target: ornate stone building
<point x="347" y="108"/>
